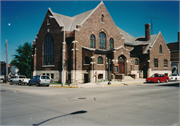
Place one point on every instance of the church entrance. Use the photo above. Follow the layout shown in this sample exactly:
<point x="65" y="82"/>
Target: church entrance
<point x="121" y="62"/>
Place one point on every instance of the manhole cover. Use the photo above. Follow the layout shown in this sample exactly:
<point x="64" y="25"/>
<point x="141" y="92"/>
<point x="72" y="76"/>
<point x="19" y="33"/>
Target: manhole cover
<point x="81" y="98"/>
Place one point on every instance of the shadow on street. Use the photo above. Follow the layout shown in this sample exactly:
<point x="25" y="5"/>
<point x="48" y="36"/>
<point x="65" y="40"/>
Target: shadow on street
<point x="73" y="113"/>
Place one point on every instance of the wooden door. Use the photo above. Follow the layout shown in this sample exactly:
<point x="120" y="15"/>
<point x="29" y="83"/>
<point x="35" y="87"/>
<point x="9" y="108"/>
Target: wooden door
<point x="121" y="67"/>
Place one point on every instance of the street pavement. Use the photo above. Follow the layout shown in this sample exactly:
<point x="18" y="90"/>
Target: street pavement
<point x="121" y="105"/>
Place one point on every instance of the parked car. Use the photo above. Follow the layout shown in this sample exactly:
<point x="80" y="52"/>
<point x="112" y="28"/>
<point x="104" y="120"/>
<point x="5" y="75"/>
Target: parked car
<point x="20" y="79"/>
<point x="158" y="78"/>
<point x="40" y="80"/>
<point x="174" y="77"/>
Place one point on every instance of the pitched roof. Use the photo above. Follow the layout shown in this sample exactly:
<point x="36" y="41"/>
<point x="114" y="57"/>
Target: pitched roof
<point x="70" y="24"/>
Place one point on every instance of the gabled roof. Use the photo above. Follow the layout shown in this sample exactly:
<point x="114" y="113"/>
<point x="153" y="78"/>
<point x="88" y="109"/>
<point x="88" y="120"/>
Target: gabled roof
<point x="70" y="24"/>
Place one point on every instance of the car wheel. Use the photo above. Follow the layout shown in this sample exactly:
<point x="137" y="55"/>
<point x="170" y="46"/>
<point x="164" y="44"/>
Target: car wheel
<point x="158" y="81"/>
<point x="37" y="84"/>
<point x="47" y="85"/>
<point x="29" y="84"/>
<point x="19" y="83"/>
<point x="11" y="83"/>
<point x="166" y="80"/>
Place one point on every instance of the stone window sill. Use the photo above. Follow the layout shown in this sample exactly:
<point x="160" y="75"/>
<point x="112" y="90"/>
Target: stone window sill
<point x="100" y="64"/>
<point x="86" y="64"/>
<point x="48" y="66"/>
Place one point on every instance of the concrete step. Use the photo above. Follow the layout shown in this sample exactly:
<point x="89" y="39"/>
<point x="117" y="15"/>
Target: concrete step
<point x="128" y="78"/>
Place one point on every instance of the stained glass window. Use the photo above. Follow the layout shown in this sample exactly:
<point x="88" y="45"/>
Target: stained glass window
<point x="155" y="62"/>
<point x="102" y="40"/>
<point x="165" y="63"/>
<point x="48" y="50"/>
<point x="160" y="49"/>
<point x="136" y="61"/>
<point x="100" y="60"/>
<point x="92" y="41"/>
<point x="111" y="43"/>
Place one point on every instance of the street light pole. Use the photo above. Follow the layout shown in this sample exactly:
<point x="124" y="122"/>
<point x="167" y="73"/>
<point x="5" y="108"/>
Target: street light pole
<point x="6" y="61"/>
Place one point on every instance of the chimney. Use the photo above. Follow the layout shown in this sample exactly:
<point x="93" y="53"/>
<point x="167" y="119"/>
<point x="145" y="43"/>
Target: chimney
<point x="147" y="32"/>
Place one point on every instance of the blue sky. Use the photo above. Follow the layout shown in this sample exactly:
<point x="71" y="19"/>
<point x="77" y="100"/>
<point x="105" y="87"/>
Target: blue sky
<point x="21" y="20"/>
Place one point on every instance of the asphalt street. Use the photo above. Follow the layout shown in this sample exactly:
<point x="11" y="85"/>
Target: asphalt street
<point x="140" y="104"/>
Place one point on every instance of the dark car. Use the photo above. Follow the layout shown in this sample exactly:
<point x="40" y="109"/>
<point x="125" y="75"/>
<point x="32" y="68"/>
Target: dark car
<point x="40" y="80"/>
<point x="158" y="78"/>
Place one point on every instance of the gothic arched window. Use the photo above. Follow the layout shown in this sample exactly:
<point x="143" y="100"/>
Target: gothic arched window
<point x="48" y="50"/>
<point x="92" y="41"/>
<point x="111" y="43"/>
<point x="102" y="40"/>
<point x="100" y="60"/>
<point x="160" y="49"/>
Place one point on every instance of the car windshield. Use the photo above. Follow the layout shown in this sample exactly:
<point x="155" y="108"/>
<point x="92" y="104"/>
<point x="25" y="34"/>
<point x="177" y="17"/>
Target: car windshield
<point x="173" y="75"/>
<point x="155" y="75"/>
<point x="44" y="77"/>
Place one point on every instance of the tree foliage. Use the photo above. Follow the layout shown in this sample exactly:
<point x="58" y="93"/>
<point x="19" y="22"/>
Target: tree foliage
<point x="22" y="59"/>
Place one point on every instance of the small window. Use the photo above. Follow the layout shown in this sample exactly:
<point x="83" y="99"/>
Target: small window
<point x="102" y="18"/>
<point x="155" y="62"/>
<point x="92" y="41"/>
<point x="160" y="49"/>
<point x="87" y="60"/>
<point x="116" y="69"/>
<point x="52" y="76"/>
<point x="111" y="43"/>
<point x="165" y="63"/>
<point x="48" y="20"/>
<point x="47" y="74"/>
<point x="100" y="60"/>
<point x="43" y="73"/>
<point x="136" y="61"/>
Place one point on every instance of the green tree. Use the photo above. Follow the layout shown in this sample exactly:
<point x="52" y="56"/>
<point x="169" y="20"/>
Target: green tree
<point x="22" y="59"/>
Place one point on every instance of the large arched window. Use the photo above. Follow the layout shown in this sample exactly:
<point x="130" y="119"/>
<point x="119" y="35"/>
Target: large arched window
<point x="102" y="40"/>
<point x="165" y="63"/>
<point x="48" y="50"/>
<point x="92" y="41"/>
<point x="100" y="60"/>
<point x="155" y="62"/>
<point x="160" y="49"/>
<point x="111" y="43"/>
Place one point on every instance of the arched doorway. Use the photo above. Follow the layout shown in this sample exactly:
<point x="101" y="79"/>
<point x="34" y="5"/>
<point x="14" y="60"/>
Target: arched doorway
<point x="121" y="62"/>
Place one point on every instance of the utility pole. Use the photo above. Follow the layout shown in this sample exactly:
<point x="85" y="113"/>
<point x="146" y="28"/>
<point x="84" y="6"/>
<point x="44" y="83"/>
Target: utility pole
<point x="109" y="62"/>
<point x="63" y="61"/>
<point x="152" y="24"/>
<point x="6" y="78"/>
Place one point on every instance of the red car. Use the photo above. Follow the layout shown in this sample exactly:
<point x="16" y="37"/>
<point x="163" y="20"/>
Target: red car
<point x="158" y="78"/>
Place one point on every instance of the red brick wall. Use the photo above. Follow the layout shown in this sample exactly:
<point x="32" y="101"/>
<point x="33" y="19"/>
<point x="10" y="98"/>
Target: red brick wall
<point x="57" y="34"/>
<point x="93" y="25"/>
<point x="154" y="53"/>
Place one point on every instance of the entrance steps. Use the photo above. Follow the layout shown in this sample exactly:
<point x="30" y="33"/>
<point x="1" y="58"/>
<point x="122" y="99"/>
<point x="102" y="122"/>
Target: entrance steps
<point x="128" y="78"/>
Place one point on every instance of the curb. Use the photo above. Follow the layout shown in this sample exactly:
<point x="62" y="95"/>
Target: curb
<point x="59" y="86"/>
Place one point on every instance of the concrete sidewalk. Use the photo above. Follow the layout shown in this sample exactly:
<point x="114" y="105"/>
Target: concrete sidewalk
<point x="102" y="84"/>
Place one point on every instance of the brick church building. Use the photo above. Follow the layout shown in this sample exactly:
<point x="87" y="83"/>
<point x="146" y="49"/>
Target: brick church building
<point x="95" y="48"/>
